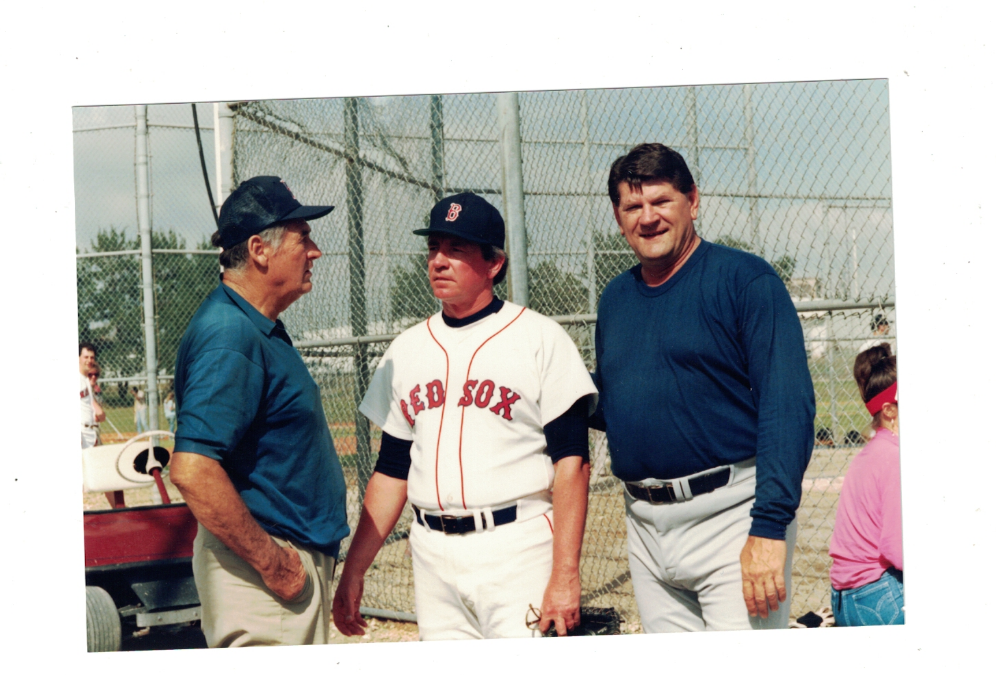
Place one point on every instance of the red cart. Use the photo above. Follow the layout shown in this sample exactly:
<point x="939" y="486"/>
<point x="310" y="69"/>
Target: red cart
<point x="138" y="559"/>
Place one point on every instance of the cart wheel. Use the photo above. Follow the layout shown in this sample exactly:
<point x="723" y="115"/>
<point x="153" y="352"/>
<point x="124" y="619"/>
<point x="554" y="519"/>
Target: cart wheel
<point x="103" y="624"/>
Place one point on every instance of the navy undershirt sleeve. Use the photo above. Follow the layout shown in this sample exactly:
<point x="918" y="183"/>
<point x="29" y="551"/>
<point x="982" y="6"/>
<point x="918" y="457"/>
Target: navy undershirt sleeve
<point x="395" y="457"/>
<point x="567" y="436"/>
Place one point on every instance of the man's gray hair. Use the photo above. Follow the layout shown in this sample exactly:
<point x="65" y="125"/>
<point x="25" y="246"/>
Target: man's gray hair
<point x="236" y="258"/>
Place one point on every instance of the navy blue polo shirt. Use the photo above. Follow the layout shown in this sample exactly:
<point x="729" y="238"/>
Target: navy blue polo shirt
<point x="246" y="399"/>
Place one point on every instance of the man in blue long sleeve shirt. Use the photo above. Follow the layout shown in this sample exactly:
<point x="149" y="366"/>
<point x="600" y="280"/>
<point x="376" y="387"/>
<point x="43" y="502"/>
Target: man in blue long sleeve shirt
<point x="708" y="406"/>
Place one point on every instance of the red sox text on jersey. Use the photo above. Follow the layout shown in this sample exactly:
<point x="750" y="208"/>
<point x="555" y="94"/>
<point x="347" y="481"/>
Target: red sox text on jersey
<point x="435" y="396"/>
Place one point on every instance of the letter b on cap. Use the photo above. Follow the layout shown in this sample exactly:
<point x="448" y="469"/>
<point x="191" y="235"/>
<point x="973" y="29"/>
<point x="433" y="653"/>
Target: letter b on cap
<point x="454" y="211"/>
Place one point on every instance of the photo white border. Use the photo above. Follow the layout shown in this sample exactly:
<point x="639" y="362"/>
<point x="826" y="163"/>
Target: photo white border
<point x="942" y="136"/>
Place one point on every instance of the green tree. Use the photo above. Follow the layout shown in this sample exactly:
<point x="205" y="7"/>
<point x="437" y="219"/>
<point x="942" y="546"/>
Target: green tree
<point x="554" y="292"/>
<point x="732" y="242"/>
<point x="784" y="265"/>
<point x="182" y="281"/>
<point x="551" y="291"/>
<point x="613" y="256"/>
<point x="411" y="294"/>
<point x="109" y="298"/>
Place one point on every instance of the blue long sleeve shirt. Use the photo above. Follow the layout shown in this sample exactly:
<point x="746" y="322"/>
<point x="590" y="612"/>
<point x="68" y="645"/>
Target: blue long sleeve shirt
<point x="705" y="370"/>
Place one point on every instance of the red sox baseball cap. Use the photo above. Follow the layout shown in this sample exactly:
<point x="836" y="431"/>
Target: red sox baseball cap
<point x="469" y="217"/>
<point x="260" y="203"/>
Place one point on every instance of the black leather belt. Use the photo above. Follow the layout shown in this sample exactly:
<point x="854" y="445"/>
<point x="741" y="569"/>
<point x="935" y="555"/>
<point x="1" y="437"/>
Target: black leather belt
<point x="463" y="524"/>
<point x="664" y="494"/>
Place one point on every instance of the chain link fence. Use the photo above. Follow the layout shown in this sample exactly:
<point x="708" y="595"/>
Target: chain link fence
<point x="108" y="263"/>
<point x="798" y="173"/>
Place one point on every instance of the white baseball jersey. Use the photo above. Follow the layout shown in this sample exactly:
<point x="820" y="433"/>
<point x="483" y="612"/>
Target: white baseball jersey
<point x="88" y="422"/>
<point x="474" y="401"/>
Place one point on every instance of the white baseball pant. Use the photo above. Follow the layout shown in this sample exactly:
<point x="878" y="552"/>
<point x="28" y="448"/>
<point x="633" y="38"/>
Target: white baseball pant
<point x="480" y="584"/>
<point x="685" y="560"/>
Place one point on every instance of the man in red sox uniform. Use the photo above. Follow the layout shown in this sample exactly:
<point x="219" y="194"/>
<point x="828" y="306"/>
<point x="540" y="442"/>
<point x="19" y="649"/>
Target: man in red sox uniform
<point x="483" y="410"/>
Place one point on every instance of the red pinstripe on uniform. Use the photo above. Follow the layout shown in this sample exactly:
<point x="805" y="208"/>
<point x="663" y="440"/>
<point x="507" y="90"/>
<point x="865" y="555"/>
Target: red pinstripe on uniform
<point x="442" y="413"/>
<point x="463" y="410"/>
<point x="548" y="522"/>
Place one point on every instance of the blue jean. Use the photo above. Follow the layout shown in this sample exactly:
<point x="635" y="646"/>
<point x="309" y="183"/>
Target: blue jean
<point x="140" y="423"/>
<point x="172" y="424"/>
<point x="880" y="603"/>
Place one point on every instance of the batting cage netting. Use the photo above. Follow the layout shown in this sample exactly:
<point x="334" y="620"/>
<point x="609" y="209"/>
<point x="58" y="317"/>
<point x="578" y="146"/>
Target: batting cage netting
<point x="797" y="173"/>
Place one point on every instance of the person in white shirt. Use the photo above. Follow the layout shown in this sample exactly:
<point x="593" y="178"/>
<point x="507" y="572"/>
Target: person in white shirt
<point x="880" y="333"/>
<point x="91" y="414"/>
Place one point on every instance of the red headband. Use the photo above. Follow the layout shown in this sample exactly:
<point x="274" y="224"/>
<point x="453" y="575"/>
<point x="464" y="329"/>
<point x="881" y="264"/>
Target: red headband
<point x="879" y="400"/>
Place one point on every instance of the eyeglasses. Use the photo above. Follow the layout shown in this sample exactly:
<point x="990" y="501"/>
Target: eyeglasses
<point x="532" y="623"/>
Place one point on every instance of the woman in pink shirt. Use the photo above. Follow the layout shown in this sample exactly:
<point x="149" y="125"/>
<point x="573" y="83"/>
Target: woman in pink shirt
<point x="867" y="541"/>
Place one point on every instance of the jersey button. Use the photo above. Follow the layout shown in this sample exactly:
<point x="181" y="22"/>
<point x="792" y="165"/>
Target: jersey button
<point x="449" y="497"/>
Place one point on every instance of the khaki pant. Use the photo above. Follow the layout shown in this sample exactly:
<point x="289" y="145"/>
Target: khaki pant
<point x="238" y="610"/>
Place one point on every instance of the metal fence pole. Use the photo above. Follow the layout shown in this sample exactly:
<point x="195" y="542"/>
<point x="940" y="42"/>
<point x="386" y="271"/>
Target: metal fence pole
<point x="357" y="289"/>
<point x="436" y="147"/>
<point x="145" y="234"/>
<point x="589" y="220"/>
<point x="513" y="197"/>
<point x="693" y="132"/>
<point x="751" y="170"/>
<point x="224" y="160"/>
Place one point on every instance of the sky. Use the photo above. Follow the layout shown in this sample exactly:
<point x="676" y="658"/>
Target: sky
<point x="933" y="55"/>
<point x="824" y="140"/>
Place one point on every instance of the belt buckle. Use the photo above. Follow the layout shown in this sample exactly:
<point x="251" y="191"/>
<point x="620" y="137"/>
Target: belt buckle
<point x="454" y="528"/>
<point x="669" y="486"/>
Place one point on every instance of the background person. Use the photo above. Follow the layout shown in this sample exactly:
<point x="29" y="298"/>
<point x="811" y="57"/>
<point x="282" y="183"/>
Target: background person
<point x="484" y="411"/>
<point x="141" y="409"/>
<point x="98" y="410"/>
<point x="169" y="411"/>
<point x="880" y="333"/>
<point x="707" y="403"/>
<point x="866" y="574"/>
<point x="89" y="424"/>
<point x="254" y="458"/>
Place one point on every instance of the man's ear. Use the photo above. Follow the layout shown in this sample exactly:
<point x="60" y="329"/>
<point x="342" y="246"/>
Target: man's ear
<point x="258" y="250"/>
<point x="615" y="212"/>
<point x="496" y="267"/>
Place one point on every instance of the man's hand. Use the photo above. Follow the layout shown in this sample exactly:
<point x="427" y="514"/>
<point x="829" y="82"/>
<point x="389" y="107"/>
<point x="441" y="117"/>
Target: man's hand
<point x="762" y="564"/>
<point x="211" y="497"/>
<point x="287" y="576"/>
<point x="561" y="603"/>
<point x="382" y="505"/>
<point x="346" y="606"/>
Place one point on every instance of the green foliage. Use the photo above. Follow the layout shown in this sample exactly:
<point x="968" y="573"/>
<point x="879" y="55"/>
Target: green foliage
<point x="554" y="292"/>
<point x="411" y="294"/>
<point x="551" y="290"/>
<point x="613" y="256"/>
<point x="784" y="266"/>
<point x="732" y="242"/>
<point x="109" y="298"/>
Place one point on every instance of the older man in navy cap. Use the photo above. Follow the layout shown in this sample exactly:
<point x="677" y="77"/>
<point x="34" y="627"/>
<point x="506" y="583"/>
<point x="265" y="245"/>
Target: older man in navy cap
<point x="254" y="458"/>
<point x="484" y="412"/>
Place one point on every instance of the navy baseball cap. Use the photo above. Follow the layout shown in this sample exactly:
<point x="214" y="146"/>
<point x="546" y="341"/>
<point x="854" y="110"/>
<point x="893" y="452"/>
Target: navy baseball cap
<point x="469" y="217"/>
<point x="260" y="203"/>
